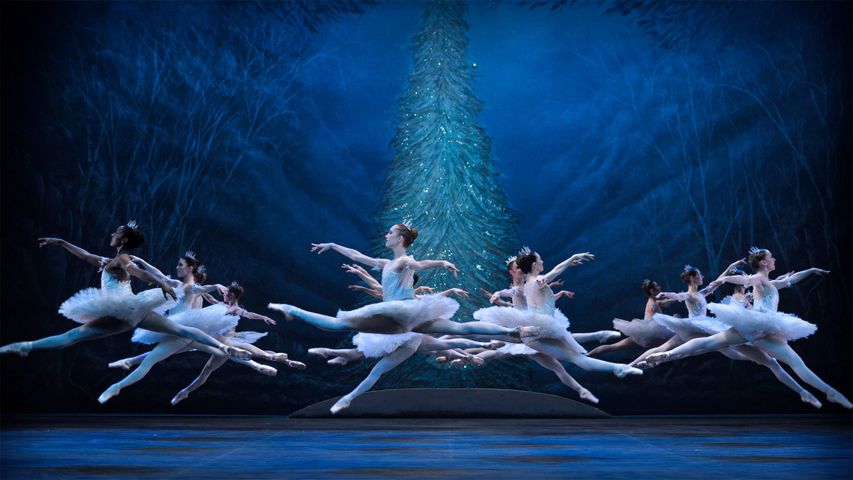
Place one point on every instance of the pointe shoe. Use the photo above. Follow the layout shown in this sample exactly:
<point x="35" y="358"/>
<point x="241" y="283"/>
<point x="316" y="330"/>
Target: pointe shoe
<point x="123" y="364"/>
<point x="341" y="404"/>
<point x="656" y="359"/>
<point x="265" y="370"/>
<point x="643" y="365"/>
<point x="295" y="365"/>
<point x="807" y="397"/>
<point x="235" y="352"/>
<point x="837" y="397"/>
<point x="338" y="361"/>
<point x="109" y="393"/>
<point x="320" y="352"/>
<point x="525" y="332"/>
<point x="277" y="357"/>
<point x="458" y="362"/>
<point x="493" y="345"/>
<point x="22" y="349"/>
<point x="182" y="395"/>
<point x="588" y="396"/>
<point x="608" y="335"/>
<point x="475" y="360"/>
<point x="622" y="371"/>
<point x="441" y="359"/>
<point x="283" y="308"/>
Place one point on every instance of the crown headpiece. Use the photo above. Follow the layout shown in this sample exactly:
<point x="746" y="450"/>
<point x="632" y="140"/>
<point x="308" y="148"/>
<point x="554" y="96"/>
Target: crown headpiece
<point x="132" y="225"/>
<point x="688" y="267"/>
<point x="202" y="268"/>
<point x="524" y="251"/>
<point x="234" y="284"/>
<point x="511" y="259"/>
<point x="753" y="250"/>
<point x="407" y="223"/>
<point x="190" y="254"/>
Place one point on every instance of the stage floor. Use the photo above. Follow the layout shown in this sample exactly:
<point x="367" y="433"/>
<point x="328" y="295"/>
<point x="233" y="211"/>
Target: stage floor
<point x="251" y="447"/>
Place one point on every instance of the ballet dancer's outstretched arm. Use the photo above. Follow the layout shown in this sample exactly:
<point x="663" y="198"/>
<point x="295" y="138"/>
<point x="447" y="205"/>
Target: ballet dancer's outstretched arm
<point x="361" y="273"/>
<point x="174" y="282"/>
<point x="790" y="279"/>
<point x="90" y="258"/>
<point x="350" y="253"/>
<point x="498" y="295"/>
<point x="370" y="291"/>
<point x="409" y="262"/>
<point x="498" y="301"/>
<point x="564" y="293"/>
<point x="572" y="261"/>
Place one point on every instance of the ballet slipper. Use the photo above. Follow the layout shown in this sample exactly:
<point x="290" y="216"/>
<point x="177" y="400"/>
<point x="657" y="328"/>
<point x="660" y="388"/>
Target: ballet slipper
<point x="608" y="335"/>
<point x="476" y="360"/>
<point x="457" y="363"/>
<point x="282" y="308"/>
<point x="235" y="352"/>
<point x="338" y="361"/>
<point x="493" y="345"/>
<point x="22" y="349"/>
<point x="109" y="393"/>
<point x="642" y="365"/>
<point x="621" y="371"/>
<point x="182" y="395"/>
<point x="265" y="369"/>
<point x="341" y="404"/>
<point x="656" y="359"/>
<point x="441" y="359"/>
<point x="807" y="397"/>
<point x="588" y="396"/>
<point x="836" y="397"/>
<point x="277" y="357"/>
<point x="321" y="352"/>
<point x="295" y="365"/>
<point x="123" y="364"/>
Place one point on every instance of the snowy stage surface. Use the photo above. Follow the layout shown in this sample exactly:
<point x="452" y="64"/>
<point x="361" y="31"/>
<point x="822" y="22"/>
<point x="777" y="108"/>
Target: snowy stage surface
<point x="454" y="403"/>
<point x="236" y="447"/>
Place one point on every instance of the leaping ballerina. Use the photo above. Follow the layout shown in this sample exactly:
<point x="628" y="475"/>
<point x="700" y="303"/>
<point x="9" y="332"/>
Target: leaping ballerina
<point x="114" y="308"/>
<point x="763" y="326"/>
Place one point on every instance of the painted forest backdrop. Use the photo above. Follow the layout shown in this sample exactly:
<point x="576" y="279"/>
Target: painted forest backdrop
<point x="651" y="134"/>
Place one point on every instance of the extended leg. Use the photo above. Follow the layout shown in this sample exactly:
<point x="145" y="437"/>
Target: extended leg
<point x="756" y="355"/>
<point x="553" y="365"/>
<point x="99" y="328"/>
<point x="162" y="351"/>
<point x="450" y="327"/>
<point x="698" y="346"/>
<point x="627" y="342"/>
<point x="560" y="350"/>
<point x="213" y="363"/>
<point x="158" y="323"/>
<point x="387" y="363"/>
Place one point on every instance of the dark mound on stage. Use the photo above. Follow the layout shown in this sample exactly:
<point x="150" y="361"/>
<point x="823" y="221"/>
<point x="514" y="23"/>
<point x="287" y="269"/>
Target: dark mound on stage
<point x="454" y="403"/>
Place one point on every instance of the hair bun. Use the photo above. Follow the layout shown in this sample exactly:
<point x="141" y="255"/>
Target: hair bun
<point x="414" y="233"/>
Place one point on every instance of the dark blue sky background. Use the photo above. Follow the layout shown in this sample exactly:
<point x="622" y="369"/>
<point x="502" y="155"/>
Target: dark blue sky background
<point x="246" y="131"/>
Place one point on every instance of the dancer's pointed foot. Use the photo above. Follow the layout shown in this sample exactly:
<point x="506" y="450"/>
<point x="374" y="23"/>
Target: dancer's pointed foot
<point x="493" y="345"/>
<point x="22" y="349"/>
<point x="807" y="397"/>
<point x="322" y="352"/>
<point x="621" y="371"/>
<point x="264" y="369"/>
<point x="836" y="397"/>
<point x="341" y="404"/>
<point x="283" y="308"/>
<point x="656" y="359"/>
<point x="235" y="352"/>
<point x="457" y="362"/>
<point x="642" y="365"/>
<point x="338" y="361"/>
<point x="295" y="365"/>
<point x="525" y="332"/>
<point x="441" y="359"/>
<point x="606" y="336"/>
<point x="277" y="357"/>
<point x="588" y="396"/>
<point x="182" y="395"/>
<point x="475" y="360"/>
<point x="123" y="364"/>
<point x="109" y="393"/>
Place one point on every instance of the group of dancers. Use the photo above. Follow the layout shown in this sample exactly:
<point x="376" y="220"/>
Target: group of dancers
<point x="407" y="320"/>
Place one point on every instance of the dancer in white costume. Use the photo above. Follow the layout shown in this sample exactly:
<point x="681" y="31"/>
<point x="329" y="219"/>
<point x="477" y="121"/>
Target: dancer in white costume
<point x="763" y="326"/>
<point x="241" y="339"/>
<point x="215" y="320"/>
<point x="399" y="312"/>
<point x="646" y="333"/>
<point x="114" y="308"/>
<point x="554" y="339"/>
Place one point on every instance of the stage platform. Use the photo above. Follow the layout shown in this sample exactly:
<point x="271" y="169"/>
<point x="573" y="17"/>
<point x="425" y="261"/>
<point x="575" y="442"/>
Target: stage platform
<point x="256" y="447"/>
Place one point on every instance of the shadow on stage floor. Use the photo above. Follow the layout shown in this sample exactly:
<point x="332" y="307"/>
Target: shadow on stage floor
<point x="100" y="446"/>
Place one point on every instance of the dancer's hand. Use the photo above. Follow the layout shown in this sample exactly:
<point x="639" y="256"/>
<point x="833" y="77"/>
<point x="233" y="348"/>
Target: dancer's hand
<point x="320" y="247"/>
<point x="556" y="283"/>
<point x="451" y="268"/>
<point x="580" y="258"/>
<point x="49" y="241"/>
<point x="494" y="297"/>
<point x="354" y="269"/>
<point x="458" y="292"/>
<point x="267" y="320"/>
<point x="540" y="282"/>
<point x="819" y="271"/>
<point x="564" y="293"/>
<point x="169" y="292"/>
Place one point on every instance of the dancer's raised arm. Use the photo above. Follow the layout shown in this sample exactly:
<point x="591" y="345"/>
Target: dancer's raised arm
<point x="133" y="270"/>
<point x="90" y="258"/>
<point x="789" y="280"/>
<point x="572" y="261"/>
<point x="350" y="253"/>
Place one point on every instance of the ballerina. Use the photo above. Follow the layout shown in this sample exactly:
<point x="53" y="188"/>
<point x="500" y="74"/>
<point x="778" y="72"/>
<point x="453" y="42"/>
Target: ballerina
<point x="646" y="333"/>
<point x="554" y="340"/>
<point x="241" y="339"/>
<point x="763" y="326"/>
<point x="114" y="308"/>
<point x="399" y="312"/>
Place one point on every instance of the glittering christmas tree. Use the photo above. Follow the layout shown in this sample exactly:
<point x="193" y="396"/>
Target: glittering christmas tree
<point x="441" y="177"/>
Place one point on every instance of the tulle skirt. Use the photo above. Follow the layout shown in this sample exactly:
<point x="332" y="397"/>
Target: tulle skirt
<point x="246" y="336"/>
<point x="645" y="332"/>
<point x="691" y="327"/>
<point x="753" y="324"/>
<point x="93" y="303"/>
<point x="551" y="326"/>
<point x="410" y="314"/>
<point x="212" y="320"/>
<point x="374" y="345"/>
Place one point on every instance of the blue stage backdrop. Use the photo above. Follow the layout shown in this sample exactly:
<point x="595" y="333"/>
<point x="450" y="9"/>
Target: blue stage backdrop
<point x="651" y="134"/>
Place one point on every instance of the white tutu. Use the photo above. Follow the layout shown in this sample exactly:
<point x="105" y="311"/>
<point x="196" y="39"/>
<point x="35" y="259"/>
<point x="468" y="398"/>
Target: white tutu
<point x="550" y="326"/>
<point x="752" y="324"/>
<point x="93" y="303"/>
<point x="691" y="327"/>
<point x="517" y="349"/>
<point x="646" y="332"/>
<point x="408" y="313"/>
<point x="374" y="345"/>
<point x="212" y="320"/>
<point x="246" y="336"/>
